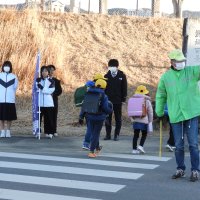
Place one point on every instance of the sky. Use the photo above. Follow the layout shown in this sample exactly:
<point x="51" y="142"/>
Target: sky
<point x="166" y="5"/>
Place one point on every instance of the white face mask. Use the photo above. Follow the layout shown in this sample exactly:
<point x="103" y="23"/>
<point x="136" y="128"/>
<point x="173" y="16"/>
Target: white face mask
<point x="180" y="66"/>
<point x="112" y="69"/>
<point x="6" y="68"/>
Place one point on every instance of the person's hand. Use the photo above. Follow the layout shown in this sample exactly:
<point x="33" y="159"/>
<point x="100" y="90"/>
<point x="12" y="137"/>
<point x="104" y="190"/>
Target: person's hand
<point x="80" y="121"/>
<point x="40" y="86"/>
<point x="161" y="118"/>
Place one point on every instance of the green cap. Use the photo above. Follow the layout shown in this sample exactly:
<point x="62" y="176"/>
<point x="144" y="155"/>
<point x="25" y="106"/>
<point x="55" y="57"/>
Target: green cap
<point x="177" y="55"/>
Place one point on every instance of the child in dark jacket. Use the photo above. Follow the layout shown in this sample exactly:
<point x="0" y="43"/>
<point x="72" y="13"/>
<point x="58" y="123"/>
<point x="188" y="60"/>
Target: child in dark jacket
<point x="87" y="137"/>
<point x="95" y="121"/>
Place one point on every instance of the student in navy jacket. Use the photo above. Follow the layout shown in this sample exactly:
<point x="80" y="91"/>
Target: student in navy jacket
<point x="8" y="87"/>
<point x="95" y="121"/>
<point x="46" y="87"/>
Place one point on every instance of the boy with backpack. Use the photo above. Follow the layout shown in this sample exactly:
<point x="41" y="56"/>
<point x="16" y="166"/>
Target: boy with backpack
<point x="95" y="108"/>
<point x="79" y="98"/>
<point x="141" y="112"/>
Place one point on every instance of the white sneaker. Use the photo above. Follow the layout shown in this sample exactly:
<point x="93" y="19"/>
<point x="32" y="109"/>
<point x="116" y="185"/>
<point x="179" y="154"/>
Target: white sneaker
<point x="141" y="149"/>
<point x="50" y="136"/>
<point x="8" y="133"/>
<point x="56" y="134"/>
<point x="170" y="148"/>
<point x="3" y="133"/>
<point x="135" y="151"/>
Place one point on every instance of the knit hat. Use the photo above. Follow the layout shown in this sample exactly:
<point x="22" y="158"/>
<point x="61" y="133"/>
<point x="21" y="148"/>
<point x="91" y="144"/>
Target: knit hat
<point x="141" y="89"/>
<point x="113" y="63"/>
<point x="177" y="55"/>
<point x="101" y="83"/>
<point x="99" y="76"/>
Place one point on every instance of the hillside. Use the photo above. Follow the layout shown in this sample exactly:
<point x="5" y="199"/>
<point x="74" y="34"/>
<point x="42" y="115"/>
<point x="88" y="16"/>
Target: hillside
<point x="81" y="45"/>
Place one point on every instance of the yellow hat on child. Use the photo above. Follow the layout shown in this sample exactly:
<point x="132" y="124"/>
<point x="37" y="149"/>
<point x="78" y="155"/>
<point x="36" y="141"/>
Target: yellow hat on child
<point x="141" y="89"/>
<point x="99" y="76"/>
<point x="101" y="83"/>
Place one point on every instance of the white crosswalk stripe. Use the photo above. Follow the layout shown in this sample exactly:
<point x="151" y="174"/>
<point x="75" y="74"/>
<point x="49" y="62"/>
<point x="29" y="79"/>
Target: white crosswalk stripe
<point x="37" y="170"/>
<point x="23" y="195"/>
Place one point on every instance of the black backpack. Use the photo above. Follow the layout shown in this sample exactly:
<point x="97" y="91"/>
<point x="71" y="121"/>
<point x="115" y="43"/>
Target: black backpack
<point x="92" y="103"/>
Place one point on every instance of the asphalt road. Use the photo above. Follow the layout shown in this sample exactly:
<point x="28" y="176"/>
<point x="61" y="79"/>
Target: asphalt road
<point x="59" y="169"/>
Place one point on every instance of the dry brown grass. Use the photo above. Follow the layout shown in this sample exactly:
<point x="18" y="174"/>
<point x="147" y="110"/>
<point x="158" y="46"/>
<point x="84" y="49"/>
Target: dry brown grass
<point x="81" y="45"/>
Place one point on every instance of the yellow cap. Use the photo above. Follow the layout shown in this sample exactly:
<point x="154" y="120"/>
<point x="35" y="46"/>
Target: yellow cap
<point x="177" y="55"/>
<point x="99" y="76"/>
<point x="101" y="83"/>
<point x="141" y="89"/>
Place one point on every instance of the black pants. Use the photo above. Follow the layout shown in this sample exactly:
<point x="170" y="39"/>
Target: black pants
<point x="55" y="116"/>
<point x="171" y="136"/>
<point x="47" y="114"/>
<point x="136" y="136"/>
<point x="117" y="109"/>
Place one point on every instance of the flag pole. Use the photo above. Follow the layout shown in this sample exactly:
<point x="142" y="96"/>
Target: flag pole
<point x="39" y="111"/>
<point x="36" y="100"/>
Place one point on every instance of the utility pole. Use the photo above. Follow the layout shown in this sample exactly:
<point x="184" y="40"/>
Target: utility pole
<point x="27" y="5"/>
<point x="155" y="8"/>
<point x="42" y="5"/>
<point x="88" y="6"/>
<point x="137" y="7"/>
<point x="103" y="7"/>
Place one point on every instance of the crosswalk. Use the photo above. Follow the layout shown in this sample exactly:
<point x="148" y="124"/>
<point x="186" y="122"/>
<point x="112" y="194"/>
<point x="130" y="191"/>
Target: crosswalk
<point x="41" y="177"/>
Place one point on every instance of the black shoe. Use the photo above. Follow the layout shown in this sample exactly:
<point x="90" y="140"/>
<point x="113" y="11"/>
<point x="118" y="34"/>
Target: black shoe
<point x="194" y="176"/>
<point x="107" y="138"/>
<point x="179" y="173"/>
<point x="116" y="138"/>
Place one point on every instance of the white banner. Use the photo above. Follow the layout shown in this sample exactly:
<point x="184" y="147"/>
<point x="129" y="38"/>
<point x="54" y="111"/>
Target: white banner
<point x="193" y="42"/>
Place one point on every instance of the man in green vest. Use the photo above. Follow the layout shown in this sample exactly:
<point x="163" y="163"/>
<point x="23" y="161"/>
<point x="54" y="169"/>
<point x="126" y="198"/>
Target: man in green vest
<point x="178" y="87"/>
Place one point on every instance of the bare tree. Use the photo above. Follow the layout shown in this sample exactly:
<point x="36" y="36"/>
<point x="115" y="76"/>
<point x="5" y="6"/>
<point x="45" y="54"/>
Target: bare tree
<point x="177" y="4"/>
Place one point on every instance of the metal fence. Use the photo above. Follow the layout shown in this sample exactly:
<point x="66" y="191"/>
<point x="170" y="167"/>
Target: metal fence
<point x="142" y="8"/>
<point x="145" y="8"/>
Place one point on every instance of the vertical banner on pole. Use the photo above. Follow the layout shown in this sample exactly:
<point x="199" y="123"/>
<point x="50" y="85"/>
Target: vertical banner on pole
<point x="35" y="101"/>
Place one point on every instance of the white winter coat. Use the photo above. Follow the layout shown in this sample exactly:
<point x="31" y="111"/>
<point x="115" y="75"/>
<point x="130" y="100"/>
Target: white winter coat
<point x="45" y="97"/>
<point x="8" y="87"/>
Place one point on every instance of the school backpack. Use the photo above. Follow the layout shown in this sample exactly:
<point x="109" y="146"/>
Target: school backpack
<point x="92" y="103"/>
<point x="79" y="96"/>
<point x="137" y="107"/>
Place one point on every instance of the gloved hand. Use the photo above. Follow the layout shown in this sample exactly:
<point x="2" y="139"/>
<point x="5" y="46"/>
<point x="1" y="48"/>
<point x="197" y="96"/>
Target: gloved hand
<point x="80" y="121"/>
<point x="40" y="86"/>
<point x="161" y="118"/>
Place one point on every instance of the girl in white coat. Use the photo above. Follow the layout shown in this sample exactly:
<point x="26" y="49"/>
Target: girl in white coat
<point x="46" y="87"/>
<point x="8" y="87"/>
